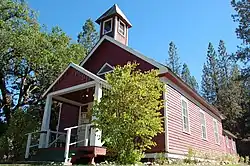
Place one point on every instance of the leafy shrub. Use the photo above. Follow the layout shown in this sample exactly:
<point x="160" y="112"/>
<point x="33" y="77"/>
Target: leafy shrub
<point x="161" y="159"/>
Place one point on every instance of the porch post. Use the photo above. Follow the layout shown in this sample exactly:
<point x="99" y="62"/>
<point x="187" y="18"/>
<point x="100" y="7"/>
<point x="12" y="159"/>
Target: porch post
<point x="95" y="134"/>
<point x="45" y="122"/>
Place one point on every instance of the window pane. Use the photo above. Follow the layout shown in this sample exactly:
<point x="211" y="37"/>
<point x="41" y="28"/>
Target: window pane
<point x="122" y="28"/>
<point x="107" y="26"/>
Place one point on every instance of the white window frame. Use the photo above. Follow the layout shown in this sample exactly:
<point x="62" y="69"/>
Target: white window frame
<point x="103" y="66"/>
<point x="233" y="145"/>
<point x="103" y="32"/>
<point x="205" y="125"/>
<point x="227" y="141"/>
<point x="119" y="29"/>
<point x="188" y="125"/>
<point x="216" y="127"/>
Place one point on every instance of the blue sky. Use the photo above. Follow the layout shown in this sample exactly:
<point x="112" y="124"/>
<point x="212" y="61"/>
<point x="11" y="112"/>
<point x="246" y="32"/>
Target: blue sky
<point x="190" y="24"/>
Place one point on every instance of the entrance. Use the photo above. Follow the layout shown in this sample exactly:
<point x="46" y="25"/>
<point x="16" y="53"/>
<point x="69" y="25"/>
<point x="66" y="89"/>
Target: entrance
<point x="83" y="133"/>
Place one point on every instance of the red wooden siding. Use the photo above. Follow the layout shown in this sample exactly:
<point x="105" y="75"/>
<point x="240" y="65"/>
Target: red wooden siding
<point x="71" y="77"/>
<point x="69" y="117"/>
<point x="114" y="55"/>
<point x="179" y="142"/>
<point x="231" y="143"/>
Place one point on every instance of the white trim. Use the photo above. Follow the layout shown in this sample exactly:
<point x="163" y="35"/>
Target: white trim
<point x="127" y="36"/>
<point x="166" y="118"/>
<point x="201" y="111"/>
<point x="188" y="119"/>
<point x="115" y="27"/>
<point x="217" y="127"/>
<point x="59" y="118"/>
<point x="103" y="66"/>
<point x="80" y="69"/>
<point x="233" y="144"/>
<point x="111" y="28"/>
<point x="126" y="48"/>
<point x="227" y="141"/>
<point x="73" y="88"/>
<point x="125" y="27"/>
<point x="68" y="101"/>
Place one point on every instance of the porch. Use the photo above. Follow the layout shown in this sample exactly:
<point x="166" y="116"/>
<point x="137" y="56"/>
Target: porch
<point x="74" y="132"/>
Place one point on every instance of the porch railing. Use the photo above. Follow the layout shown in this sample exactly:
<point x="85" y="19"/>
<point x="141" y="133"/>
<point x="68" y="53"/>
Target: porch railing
<point x="68" y="139"/>
<point x="33" y="140"/>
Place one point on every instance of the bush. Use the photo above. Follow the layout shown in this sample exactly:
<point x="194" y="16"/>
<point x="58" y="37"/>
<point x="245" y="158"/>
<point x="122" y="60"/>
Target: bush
<point x="13" y="141"/>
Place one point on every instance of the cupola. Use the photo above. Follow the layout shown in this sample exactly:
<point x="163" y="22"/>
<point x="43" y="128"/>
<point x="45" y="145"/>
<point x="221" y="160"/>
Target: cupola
<point x="115" y="24"/>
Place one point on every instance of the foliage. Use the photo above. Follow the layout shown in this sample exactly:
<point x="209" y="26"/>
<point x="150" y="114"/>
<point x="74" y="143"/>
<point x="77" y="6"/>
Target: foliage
<point x="128" y="113"/>
<point x="221" y="86"/>
<point x="89" y="36"/>
<point x="13" y="142"/>
<point x="186" y="77"/>
<point x="161" y="159"/>
<point x="242" y="16"/>
<point x="173" y="59"/>
<point x="209" y="84"/>
<point x="30" y="57"/>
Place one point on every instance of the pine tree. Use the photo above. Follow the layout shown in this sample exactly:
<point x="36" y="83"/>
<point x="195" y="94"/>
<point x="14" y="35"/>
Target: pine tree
<point x="210" y="83"/>
<point x="186" y="77"/>
<point x="242" y="7"/>
<point x="194" y="84"/>
<point x="173" y="59"/>
<point x="89" y="36"/>
<point x="185" y="73"/>
<point x="229" y="102"/>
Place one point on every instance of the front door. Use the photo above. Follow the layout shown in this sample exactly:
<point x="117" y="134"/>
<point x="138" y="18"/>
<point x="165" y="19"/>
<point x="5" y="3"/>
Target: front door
<point x="84" y="118"/>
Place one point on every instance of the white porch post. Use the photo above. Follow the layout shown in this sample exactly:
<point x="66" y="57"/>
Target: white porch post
<point x="45" y="122"/>
<point x="95" y="134"/>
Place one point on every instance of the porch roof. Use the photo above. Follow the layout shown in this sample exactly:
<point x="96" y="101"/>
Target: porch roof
<point x="81" y="70"/>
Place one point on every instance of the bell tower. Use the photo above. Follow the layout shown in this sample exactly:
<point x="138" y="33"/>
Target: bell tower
<point x="114" y="24"/>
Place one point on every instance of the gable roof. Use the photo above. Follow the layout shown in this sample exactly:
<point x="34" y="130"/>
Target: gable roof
<point x="80" y="69"/>
<point x="114" y="10"/>
<point x="151" y="61"/>
<point x="162" y="68"/>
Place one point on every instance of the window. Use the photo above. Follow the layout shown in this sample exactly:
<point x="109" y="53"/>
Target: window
<point x="216" y="131"/>
<point x="227" y="143"/>
<point x="121" y="28"/>
<point x="233" y="144"/>
<point x="106" y="68"/>
<point x="203" y="125"/>
<point x="107" y="26"/>
<point x="185" y="120"/>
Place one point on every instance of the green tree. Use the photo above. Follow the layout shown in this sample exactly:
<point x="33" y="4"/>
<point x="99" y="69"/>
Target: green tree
<point x="13" y="141"/>
<point x="229" y="101"/>
<point x="30" y="57"/>
<point x="128" y="113"/>
<point x="173" y="59"/>
<point x="242" y="16"/>
<point x="210" y="83"/>
<point x="89" y="36"/>
<point x="186" y="77"/>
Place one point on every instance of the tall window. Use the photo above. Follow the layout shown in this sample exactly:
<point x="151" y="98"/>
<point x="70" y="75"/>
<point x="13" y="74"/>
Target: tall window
<point x="107" y="26"/>
<point x="233" y="144"/>
<point x="216" y="131"/>
<point x="203" y="125"/>
<point x="121" y="28"/>
<point x="185" y="120"/>
<point x="227" y="142"/>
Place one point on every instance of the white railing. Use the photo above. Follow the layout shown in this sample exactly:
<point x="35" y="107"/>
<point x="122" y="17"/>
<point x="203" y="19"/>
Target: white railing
<point x="47" y="141"/>
<point x="68" y="137"/>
